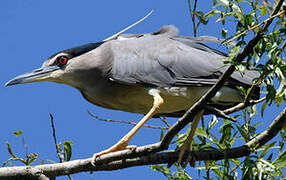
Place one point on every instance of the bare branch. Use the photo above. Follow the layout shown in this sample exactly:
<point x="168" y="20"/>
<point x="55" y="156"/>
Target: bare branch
<point x="124" y="122"/>
<point x="57" y="148"/>
<point x="243" y="105"/>
<point x="193" y="15"/>
<point x="219" y="113"/>
<point x="163" y="119"/>
<point x="55" y="137"/>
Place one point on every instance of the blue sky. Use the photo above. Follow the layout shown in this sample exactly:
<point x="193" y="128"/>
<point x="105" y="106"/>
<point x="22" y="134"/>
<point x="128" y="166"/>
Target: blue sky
<point x="31" y="31"/>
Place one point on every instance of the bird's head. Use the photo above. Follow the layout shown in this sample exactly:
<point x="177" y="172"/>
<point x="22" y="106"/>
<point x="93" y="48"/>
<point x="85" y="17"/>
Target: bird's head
<point x="62" y="67"/>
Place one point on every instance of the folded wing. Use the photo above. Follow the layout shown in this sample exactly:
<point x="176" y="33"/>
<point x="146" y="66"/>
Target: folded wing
<point x="164" y="59"/>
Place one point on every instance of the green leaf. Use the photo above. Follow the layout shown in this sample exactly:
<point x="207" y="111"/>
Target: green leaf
<point x="212" y="123"/>
<point x="201" y="132"/>
<point x="214" y="2"/>
<point x="227" y="124"/>
<point x="232" y="141"/>
<point x="219" y="173"/>
<point x="263" y="10"/>
<point x="161" y="134"/>
<point x="266" y="149"/>
<point x="249" y="19"/>
<point x="242" y="132"/>
<point x="257" y="124"/>
<point x="201" y="17"/>
<point x="161" y="169"/>
<point x="31" y="158"/>
<point x="252" y="111"/>
<point x="18" y="133"/>
<point x="267" y="163"/>
<point x="270" y="157"/>
<point x="281" y="158"/>
<point x="263" y="108"/>
<point x="236" y="162"/>
<point x="68" y="150"/>
<point x="10" y="150"/>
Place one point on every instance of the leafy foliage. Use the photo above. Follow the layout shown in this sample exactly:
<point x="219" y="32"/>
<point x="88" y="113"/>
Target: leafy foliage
<point x="268" y="57"/>
<point x="28" y="159"/>
<point x="178" y="175"/>
<point x="65" y="152"/>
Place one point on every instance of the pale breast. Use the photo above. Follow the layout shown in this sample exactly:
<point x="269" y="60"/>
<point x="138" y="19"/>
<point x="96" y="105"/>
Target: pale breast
<point x="136" y="99"/>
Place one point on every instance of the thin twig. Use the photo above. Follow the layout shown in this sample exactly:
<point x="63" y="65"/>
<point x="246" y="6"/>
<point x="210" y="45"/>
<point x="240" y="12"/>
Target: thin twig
<point x="124" y="122"/>
<point x="256" y="26"/>
<point x="55" y="137"/>
<point x="55" y="140"/>
<point x="163" y="119"/>
<point x="241" y="106"/>
<point x="219" y="113"/>
<point x="193" y="16"/>
<point x="251" y="91"/>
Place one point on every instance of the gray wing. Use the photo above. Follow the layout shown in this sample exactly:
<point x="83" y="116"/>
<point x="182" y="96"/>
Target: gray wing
<point x="166" y="60"/>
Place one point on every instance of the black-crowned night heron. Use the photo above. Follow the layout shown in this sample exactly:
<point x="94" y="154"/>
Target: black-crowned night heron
<point x="159" y="73"/>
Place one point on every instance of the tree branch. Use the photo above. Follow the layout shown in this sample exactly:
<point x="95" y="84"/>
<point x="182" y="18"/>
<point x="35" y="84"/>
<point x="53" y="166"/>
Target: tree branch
<point x="219" y="113"/>
<point x="117" y="160"/>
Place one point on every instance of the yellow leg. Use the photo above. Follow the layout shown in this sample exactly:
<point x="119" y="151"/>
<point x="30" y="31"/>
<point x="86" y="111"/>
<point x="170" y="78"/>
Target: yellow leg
<point x="123" y="143"/>
<point x="189" y="139"/>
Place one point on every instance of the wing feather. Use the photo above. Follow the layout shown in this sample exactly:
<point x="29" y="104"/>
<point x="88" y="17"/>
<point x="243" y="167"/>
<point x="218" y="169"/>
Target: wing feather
<point x="166" y="60"/>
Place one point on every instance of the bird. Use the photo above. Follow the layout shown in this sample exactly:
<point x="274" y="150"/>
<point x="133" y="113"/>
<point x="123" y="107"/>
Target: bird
<point x="155" y="74"/>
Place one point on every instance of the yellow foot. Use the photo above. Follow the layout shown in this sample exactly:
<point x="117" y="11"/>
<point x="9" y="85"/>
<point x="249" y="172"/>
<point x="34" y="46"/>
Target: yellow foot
<point x="116" y="147"/>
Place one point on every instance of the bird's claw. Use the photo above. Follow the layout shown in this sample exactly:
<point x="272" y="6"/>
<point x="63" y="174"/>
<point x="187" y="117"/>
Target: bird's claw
<point x="117" y="147"/>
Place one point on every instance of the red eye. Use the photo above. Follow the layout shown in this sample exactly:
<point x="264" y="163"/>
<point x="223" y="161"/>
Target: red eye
<point x="62" y="60"/>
